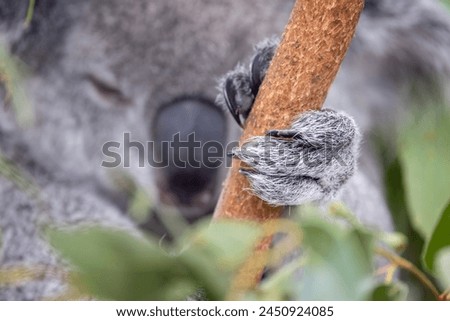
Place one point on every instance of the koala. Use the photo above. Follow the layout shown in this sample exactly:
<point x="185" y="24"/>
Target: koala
<point x="98" y="70"/>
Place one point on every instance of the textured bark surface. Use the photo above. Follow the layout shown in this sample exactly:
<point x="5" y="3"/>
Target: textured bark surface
<point x="312" y="48"/>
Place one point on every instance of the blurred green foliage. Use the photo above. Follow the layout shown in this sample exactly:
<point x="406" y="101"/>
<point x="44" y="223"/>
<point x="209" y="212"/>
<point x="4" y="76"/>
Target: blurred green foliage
<point x="443" y="267"/>
<point x="339" y="262"/>
<point x="390" y="292"/>
<point x="116" y="265"/>
<point x="336" y="263"/>
<point x="424" y="154"/>
<point x="439" y="240"/>
<point x="447" y="2"/>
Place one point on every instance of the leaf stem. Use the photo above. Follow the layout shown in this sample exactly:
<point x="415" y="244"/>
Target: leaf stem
<point x="446" y="295"/>
<point x="408" y="266"/>
<point x="30" y="12"/>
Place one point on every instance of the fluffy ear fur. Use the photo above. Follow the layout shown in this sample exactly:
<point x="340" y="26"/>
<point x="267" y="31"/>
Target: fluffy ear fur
<point x="413" y="34"/>
<point x="37" y="43"/>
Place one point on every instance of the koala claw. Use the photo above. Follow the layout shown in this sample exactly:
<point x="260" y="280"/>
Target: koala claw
<point x="239" y="87"/>
<point x="247" y="171"/>
<point x="237" y="95"/>
<point x="260" y="63"/>
<point x="230" y="93"/>
<point x="292" y="134"/>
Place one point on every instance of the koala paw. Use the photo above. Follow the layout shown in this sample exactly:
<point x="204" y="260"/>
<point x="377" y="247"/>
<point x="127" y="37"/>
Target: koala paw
<point x="239" y="87"/>
<point x="308" y="162"/>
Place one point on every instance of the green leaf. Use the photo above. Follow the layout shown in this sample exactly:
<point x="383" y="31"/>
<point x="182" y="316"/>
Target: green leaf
<point x="447" y="3"/>
<point x="395" y="194"/>
<point x="439" y="239"/>
<point x="443" y="267"/>
<point x="140" y="206"/>
<point x="339" y="263"/>
<point x="118" y="266"/>
<point x="228" y="243"/>
<point x="396" y="197"/>
<point x="390" y="292"/>
<point x="216" y="251"/>
<point x="115" y="265"/>
<point x="425" y="159"/>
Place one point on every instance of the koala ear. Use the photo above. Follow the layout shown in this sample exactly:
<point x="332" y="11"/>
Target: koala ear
<point x="424" y="42"/>
<point x="41" y="41"/>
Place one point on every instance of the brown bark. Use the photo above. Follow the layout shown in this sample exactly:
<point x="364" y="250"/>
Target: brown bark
<point x="312" y="48"/>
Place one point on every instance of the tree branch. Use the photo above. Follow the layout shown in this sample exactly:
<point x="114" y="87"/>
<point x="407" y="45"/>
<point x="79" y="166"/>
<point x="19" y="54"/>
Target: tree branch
<point x="306" y="63"/>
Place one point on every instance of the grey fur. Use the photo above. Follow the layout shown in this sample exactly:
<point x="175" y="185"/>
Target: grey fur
<point x="101" y="68"/>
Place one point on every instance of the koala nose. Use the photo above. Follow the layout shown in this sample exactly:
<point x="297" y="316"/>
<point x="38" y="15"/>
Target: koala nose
<point x="185" y="185"/>
<point x="180" y="130"/>
<point x="192" y="192"/>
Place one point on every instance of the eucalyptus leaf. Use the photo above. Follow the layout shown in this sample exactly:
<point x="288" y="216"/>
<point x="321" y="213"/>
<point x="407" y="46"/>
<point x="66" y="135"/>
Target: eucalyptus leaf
<point x="216" y="251"/>
<point x="443" y="267"/>
<point x="447" y="3"/>
<point x="439" y="239"/>
<point x="425" y="159"/>
<point x="339" y="263"/>
<point x="118" y="266"/>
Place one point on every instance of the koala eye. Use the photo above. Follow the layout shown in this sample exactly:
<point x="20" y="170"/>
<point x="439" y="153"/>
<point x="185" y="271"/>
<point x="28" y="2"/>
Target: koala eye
<point x="108" y="93"/>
